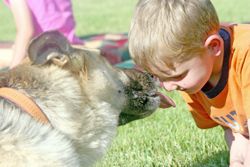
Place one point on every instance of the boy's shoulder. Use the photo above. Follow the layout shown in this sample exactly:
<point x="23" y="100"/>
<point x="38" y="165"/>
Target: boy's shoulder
<point x="240" y="49"/>
<point x="240" y="35"/>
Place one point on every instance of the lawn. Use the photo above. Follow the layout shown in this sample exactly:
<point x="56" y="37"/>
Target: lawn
<point x="168" y="137"/>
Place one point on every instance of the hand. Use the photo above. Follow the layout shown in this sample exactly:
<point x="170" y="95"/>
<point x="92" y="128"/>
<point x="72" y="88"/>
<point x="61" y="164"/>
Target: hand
<point x="238" y="146"/>
<point x="247" y="158"/>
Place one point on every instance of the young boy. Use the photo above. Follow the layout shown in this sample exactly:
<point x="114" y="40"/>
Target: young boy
<point x="182" y="43"/>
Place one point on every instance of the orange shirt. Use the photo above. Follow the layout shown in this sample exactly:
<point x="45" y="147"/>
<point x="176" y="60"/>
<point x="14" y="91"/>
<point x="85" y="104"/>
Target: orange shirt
<point x="228" y="102"/>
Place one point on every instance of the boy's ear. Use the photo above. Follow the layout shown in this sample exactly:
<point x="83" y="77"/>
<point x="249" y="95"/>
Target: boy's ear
<point x="214" y="44"/>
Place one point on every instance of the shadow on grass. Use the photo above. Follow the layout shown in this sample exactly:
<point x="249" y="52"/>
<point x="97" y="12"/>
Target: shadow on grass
<point x="219" y="159"/>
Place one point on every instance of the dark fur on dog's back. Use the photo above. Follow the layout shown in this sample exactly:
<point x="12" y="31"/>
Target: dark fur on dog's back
<point x="81" y="94"/>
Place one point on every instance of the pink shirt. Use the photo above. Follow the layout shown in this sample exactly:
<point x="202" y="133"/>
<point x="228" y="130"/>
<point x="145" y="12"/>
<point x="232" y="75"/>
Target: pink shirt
<point x="53" y="15"/>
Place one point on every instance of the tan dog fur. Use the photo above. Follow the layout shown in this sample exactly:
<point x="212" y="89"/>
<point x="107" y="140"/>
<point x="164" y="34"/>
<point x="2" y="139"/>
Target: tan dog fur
<point x="81" y="94"/>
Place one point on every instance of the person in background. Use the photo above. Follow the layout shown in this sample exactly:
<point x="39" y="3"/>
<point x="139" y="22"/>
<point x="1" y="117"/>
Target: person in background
<point x="32" y="17"/>
<point x="183" y="44"/>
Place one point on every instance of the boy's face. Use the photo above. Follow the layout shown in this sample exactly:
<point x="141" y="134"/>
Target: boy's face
<point x="189" y="76"/>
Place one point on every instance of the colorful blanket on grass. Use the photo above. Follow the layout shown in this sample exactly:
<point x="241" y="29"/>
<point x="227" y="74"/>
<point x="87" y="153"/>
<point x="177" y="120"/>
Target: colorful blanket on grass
<point x="114" y="48"/>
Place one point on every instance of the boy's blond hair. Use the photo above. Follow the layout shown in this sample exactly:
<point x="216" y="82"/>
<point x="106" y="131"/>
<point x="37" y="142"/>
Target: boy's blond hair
<point x="167" y="31"/>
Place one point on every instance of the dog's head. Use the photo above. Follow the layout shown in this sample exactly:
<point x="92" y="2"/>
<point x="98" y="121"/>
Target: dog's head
<point x="132" y="92"/>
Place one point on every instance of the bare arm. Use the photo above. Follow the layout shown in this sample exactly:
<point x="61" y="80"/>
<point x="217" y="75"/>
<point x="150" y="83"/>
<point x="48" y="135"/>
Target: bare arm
<point x="24" y="30"/>
<point x="237" y="145"/>
<point x="247" y="158"/>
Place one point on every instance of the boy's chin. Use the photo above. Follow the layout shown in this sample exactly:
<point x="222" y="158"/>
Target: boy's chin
<point x="195" y="89"/>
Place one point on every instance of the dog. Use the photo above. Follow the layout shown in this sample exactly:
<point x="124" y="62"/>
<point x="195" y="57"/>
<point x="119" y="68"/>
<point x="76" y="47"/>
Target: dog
<point x="82" y="97"/>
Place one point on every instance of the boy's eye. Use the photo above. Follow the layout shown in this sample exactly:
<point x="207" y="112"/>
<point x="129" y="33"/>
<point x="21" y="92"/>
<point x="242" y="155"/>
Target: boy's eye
<point x="178" y="77"/>
<point x="174" y="78"/>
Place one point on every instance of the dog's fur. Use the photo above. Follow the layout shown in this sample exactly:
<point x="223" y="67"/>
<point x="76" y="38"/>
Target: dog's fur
<point x="81" y="94"/>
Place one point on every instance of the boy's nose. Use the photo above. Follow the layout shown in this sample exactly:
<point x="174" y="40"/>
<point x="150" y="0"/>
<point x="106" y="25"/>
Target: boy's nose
<point x="170" y="86"/>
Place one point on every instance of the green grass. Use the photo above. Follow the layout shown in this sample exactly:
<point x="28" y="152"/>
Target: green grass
<point x="168" y="137"/>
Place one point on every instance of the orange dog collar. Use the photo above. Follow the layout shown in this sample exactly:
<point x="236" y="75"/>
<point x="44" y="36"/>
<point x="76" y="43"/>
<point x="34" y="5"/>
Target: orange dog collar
<point x="24" y="102"/>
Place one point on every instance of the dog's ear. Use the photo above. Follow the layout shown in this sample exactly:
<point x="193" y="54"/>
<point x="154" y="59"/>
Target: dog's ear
<point x="50" y="45"/>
